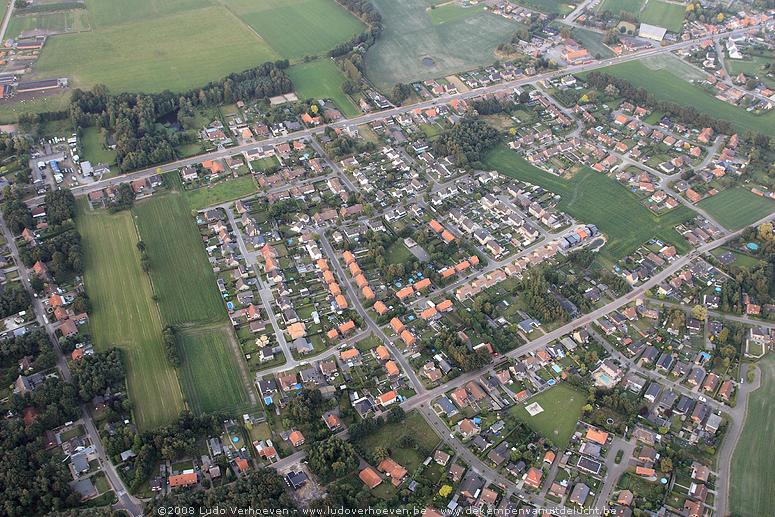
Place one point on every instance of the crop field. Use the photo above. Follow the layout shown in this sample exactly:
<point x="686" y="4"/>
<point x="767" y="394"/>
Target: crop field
<point x="182" y="278"/>
<point x="562" y="409"/>
<point x="592" y="197"/>
<point x="322" y="79"/>
<point x="221" y="192"/>
<point x="664" y="86"/>
<point x="126" y="316"/>
<point x="753" y="473"/>
<point x="209" y="370"/>
<point x="411" y="47"/>
<point x="663" y="14"/>
<point x="737" y="207"/>
<point x="298" y="28"/>
<point x="617" y="6"/>
<point x="74" y="20"/>
<point x="175" y="52"/>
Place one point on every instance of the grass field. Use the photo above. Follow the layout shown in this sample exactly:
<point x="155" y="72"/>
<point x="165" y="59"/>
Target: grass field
<point x="591" y="197"/>
<point x="663" y="14"/>
<point x="753" y="66"/>
<point x="174" y="52"/>
<point x="410" y="36"/>
<point x="221" y="192"/>
<point x="390" y="435"/>
<point x="592" y="41"/>
<point x="562" y="409"/>
<point x="298" y="28"/>
<point x="617" y="6"/>
<point x="208" y="370"/>
<point x="125" y="315"/>
<point x="322" y="79"/>
<point x="74" y="20"/>
<point x="93" y="150"/>
<point x="9" y="112"/>
<point x="664" y="86"/>
<point x="753" y="473"/>
<point x="107" y="13"/>
<point x="548" y="6"/>
<point x="737" y="207"/>
<point x="182" y="278"/>
<point x="452" y="12"/>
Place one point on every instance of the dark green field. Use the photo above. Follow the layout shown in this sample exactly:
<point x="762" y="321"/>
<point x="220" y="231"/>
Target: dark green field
<point x="737" y="207"/>
<point x="592" y="197"/>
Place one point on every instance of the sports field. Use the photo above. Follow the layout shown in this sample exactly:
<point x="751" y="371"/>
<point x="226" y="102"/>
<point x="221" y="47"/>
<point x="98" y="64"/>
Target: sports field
<point x="666" y="86"/>
<point x="125" y="314"/>
<point x="561" y="411"/>
<point x="592" y="197"/>
<point x="182" y="278"/>
<point x="322" y="79"/>
<point x="221" y="192"/>
<point x="663" y="14"/>
<point x="174" y="52"/>
<point x="208" y="370"/>
<point x="753" y="471"/>
<point x="737" y="207"/>
<point x="411" y="47"/>
<point x="298" y="28"/>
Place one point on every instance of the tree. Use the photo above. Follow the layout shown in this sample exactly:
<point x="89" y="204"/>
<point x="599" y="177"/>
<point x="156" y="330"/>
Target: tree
<point x="60" y="206"/>
<point x="700" y="312"/>
<point x="666" y="465"/>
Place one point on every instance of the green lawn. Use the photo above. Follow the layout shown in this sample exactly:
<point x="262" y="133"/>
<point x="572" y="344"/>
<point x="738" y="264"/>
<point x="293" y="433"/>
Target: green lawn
<point x="548" y="6"/>
<point x="754" y="67"/>
<point x="322" y="79"/>
<point x="452" y="12"/>
<point x="592" y="197"/>
<point x="663" y="14"/>
<point x="737" y="207"/>
<point x="221" y="192"/>
<point x="617" y="6"/>
<point x="182" y="277"/>
<point x="106" y="13"/>
<point x="209" y="370"/>
<point x="667" y="86"/>
<point x="298" y="28"/>
<point x="390" y="436"/>
<point x="562" y="409"/>
<point x="124" y="314"/>
<point x="264" y="164"/>
<point x="73" y="20"/>
<point x="398" y="253"/>
<point x="176" y="51"/>
<point x="592" y="41"/>
<point x="94" y="150"/>
<point x="753" y="472"/>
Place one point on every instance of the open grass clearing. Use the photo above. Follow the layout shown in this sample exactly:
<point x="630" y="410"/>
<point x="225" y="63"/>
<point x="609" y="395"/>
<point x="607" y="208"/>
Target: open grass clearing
<point x="175" y="52"/>
<point x="450" y="12"/>
<point x="664" y="14"/>
<point x="57" y="22"/>
<point x="322" y="79"/>
<point x="124" y="314"/>
<point x="592" y="41"/>
<point x="221" y="192"/>
<point x="182" y="278"/>
<point x="411" y="47"/>
<point x="93" y="148"/>
<point x="209" y="371"/>
<point x="753" y="473"/>
<point x="737" y="207"/>
<point x="390" y="435"/>
<point x="753" y="66"/>
<point x="668" y="86"/>
<point x="548" y="6"/>
<point x="106" y="13"/>
<point x="615" y="7"/>
<point x="592" y="197"/>
<point x="298" y="28"/>
<point x="561" y="411"/>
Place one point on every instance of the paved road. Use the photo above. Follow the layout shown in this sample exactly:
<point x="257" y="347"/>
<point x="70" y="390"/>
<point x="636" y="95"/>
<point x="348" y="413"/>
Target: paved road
<point x="126" y="501"/>
<point x="614" y="471"/>
<point x="379" y="115"/>
<point x="721" y="315"/>
<point x="6" y="20"/>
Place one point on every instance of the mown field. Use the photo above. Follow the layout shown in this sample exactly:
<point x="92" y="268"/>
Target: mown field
<point x="124" y="314"/>
<point x="753" y="471"/>
<point x="548" y="6"/>
<point x="452" y="12"/>
<point x="174" y="52"/>
<point x="562" y="409"/>
<point x="209" y="369"/>
<point x="182" y="278"/>
<point x="322" y="79"/>
<point x="107" y="13"/>
<point x="93" y="150"/>
<point x="663" y="14"/>
<point x="755" y="66"/>
<point x="74" y="20"/>
<point x="737" y="207"/>
<point x="667" y="86"/>
<point x="592" y="197"/>
<point x="410" y="35"/>
<point x="221" y="192"/>
<point x="298" y="28"/>
<point x="390" y="435"/>
<point x="617" y="6"/>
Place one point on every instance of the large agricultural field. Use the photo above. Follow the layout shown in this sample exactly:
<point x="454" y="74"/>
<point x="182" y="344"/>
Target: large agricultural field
<point x="125" y="314"/>
<point x="592" y="197"/>
<point x="322" y="79"/>
<point x="412" y="47"/>
<point x="753" y="471"/>
<point x="562" y="406"/>
<point x="737" y="207"/>
<point x="668" y="86"/>
<point x="152" y="45"/>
